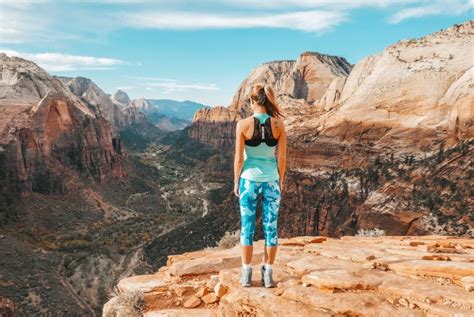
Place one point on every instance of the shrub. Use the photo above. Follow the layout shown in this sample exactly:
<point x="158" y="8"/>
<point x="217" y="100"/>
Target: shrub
<point x="376" y="232"/>
<point x="229" y="240"/>
<point x="127" y="304"/>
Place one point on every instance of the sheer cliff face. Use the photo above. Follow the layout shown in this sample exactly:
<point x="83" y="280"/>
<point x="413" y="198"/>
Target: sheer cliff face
<point x="413" y="95"/>
<point x="47" y="134"/>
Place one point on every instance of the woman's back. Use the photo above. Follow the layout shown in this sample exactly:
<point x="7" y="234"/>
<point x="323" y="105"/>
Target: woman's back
<point x="259" y="161"/>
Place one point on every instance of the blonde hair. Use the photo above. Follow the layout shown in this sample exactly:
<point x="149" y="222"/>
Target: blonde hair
<point x="264" y="95"/>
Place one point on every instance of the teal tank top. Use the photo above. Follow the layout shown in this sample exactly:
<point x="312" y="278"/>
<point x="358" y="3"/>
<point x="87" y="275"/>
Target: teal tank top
<point x="259" y="161"/>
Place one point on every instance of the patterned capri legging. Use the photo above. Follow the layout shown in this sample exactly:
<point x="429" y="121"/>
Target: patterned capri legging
<point x="248" y="194"/>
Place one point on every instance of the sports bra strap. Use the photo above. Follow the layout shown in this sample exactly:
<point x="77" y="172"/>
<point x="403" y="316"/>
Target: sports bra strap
<point x="262" y="132"/>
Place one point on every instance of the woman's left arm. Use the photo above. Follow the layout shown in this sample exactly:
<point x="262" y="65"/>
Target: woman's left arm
<point x="239" y="155"/>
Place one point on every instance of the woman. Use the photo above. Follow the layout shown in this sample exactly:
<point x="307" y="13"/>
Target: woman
<point x="256" y="171"/>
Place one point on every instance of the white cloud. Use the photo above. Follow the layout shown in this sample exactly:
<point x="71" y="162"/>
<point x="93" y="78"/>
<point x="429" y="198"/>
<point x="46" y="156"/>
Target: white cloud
<point x="169" y="85"/>
<point x="172" y="87"/>
<point x="125" y="88"/>
<point x="413" y="13"/>
<point x="315" y="3"/>
<point x="304" y="21"/>
<point x="40" y="21"/>
<point x="58" y="62"/>
<point x="432" y="8"/>
<point x="151" y="78"/>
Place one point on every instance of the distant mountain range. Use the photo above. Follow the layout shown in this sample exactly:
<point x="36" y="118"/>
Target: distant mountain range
<point x="179" y="109"/>
<point x="167" y="114"/>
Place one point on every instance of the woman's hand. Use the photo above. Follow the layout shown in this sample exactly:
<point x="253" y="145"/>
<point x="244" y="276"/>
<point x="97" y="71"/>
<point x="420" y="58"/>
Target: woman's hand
<point x="236" y="189"/>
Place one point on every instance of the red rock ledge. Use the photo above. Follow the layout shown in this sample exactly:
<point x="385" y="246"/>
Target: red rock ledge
<point x="315" y="276"/>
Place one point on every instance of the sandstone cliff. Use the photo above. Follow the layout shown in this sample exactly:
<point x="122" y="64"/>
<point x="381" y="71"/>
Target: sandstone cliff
<point x="419" y="89"/>
<point x="315" y="276"/>
<point x="47" y="133"/>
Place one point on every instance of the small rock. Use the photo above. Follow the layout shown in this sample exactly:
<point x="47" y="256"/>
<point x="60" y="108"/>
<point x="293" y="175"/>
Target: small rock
<point x="278" y="291"/>
<point x="2" y="236"/>
<point x="403" y="302"/>
<point x="412" y="305"/>
<point x="203" y="291"/>
<point x="220" y="289"/>
<point x="210" y="298"/>
<point x="416" y="243"/>
<point x="213" y="281"/>
<point x="192" y="302"/>
<point x="370" y="257"/>
<point x="436" y="258"/>
<point x="369" y="265"/>
<point x="468" y="282"/>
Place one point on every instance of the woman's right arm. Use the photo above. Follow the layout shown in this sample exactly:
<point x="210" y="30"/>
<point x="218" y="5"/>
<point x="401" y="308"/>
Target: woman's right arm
<point x="281" y="153"/>
<point x="239" y="156"/>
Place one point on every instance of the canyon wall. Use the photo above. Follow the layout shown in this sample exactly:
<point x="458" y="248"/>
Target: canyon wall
<point x="49" y="136"/>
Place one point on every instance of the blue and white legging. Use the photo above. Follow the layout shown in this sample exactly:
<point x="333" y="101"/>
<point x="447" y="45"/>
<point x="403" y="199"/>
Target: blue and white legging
<point x="248" y="194"/>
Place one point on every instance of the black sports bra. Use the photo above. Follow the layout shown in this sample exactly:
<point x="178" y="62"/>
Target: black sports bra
<point x="262" y="132"/>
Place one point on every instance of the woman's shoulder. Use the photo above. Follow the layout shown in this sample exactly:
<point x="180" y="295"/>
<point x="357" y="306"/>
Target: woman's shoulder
<point x="277" y="123"/>
<point x="245" y="121"/>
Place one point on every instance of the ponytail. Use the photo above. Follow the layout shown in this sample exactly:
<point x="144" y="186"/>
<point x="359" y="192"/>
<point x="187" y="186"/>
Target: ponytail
<point x="264" y="95"/>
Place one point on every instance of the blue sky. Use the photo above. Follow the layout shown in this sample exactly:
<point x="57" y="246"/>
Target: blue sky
<point x="202" y="50"/>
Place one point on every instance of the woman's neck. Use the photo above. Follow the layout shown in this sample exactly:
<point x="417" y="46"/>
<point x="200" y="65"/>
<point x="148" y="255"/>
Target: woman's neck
<point x="260" y="112"/>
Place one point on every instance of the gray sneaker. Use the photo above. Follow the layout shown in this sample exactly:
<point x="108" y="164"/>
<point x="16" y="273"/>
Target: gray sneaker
<point x="267" y="279"/>
<point x="246" y="278"/>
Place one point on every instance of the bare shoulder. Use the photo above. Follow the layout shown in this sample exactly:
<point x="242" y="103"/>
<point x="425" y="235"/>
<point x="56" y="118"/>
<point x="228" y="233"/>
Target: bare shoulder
<point x="242" y="123"/>
<point x="278" y="123"/>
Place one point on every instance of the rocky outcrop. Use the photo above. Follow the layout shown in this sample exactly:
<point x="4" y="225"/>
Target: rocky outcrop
<point x="47" y="133"/>
<point x="90" y="93"/>
<point x="214" y="126"/>
<point x="306" y="78"/>
<point x="121" y="97"/>
<point x="315" y="276"/>
<point x="142" y="104"/>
